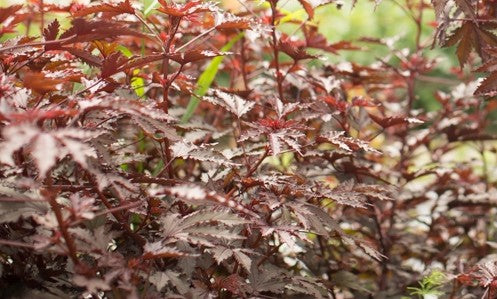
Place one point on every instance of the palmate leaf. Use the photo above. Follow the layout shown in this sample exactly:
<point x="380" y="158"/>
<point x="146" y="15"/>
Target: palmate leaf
<point x="45" y="152"/>
<point x="97" y="240"/>
<point x="356" y="195"/>
<point x="279" y="134"/>
<point x="159" y="250"/>
<point x="161" y="279"/>
<point x="243" y="259"/>
<point x="380" y="192"/>
<point x="42" y="83"/>
<point x="226" y="21"/>
<point x="315" y="39"/>
<point x="13" y="211"/>
<point x="295" y="49"/>
<point x="150" y="119"/>
<point x="85" y="56"/>
<point x="212" y="233"/>
<point x="370" y="250"/>
<point x="335" y="230"/>
<point x="324" y="220"/>
<point x="221" y="253"/>
<point x="304" y="217"/>
<point x="471" y="36"/>
<point x="224" y="217"/>
<point x="195" y="55"/>
<point x="488" y="86"/>
<point x="189" y="8"/>
<point x="9" y="18"/>
<point x="283" y="109"/>
<point x="108" y="8"/>
<point x="346" y="195"/>
<point x="277" y="140"/>
<point x="6" y="12"/>
<point x="467" y="7"/>
<point x="15" y="137"/>
<point x="51" y="32"/>
<point x="346" y="143"/>
<point x="195" y="194"/>
<point x="390" y="121"/>
<point x="186" y="150"/>
<point x="308" y="285"/>
<point x="266" y="278"/>
<point x="85" y="31"/>
<point x="210" y="227"/>
<point x="112" y="64"/>
<point x="138" y="62"/>
<point x="234" y="23"/>
<point x="204" y="227"/>
<point x="231" y="102"/>
<point x="47" y="147"/>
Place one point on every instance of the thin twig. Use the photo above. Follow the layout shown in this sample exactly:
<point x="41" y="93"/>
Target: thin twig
<point x="195" y="39"/>
<point x="16" y="244"/>
<point x="50" y="42"/>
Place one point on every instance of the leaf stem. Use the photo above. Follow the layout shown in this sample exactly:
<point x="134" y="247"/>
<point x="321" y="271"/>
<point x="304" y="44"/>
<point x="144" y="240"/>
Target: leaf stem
<point x="195" y="39"/>
<point x="51" y="197"/>
<point x="36" y="44"/>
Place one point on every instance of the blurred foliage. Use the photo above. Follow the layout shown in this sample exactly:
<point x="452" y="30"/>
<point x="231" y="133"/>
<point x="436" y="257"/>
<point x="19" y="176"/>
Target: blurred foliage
<point x="387" y="20"/>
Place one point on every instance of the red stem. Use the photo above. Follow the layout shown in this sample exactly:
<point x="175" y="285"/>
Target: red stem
<point x="51" y="196"/>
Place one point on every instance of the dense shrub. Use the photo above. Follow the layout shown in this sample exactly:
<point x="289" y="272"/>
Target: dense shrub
<point x="189" y="151"/>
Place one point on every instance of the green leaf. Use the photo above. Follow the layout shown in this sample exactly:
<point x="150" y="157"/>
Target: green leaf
<point x="206" y="78"/>
<point x="149" y="6"/>
<point x="126" y="52"/>
<point x="137" y="83"/>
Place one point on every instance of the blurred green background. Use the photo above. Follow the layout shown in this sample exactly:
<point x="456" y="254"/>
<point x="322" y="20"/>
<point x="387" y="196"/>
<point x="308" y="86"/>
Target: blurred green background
<point x="386" y="20"/>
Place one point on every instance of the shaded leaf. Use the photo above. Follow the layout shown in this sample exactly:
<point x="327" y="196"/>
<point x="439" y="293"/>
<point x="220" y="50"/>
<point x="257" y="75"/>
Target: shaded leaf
<point x="390" y="121"/>
<point x="110" y="9"/>
<point x="158" y="250"/>
<point x="195" y="55"/>
<point x="112" y="64"/>
<point x="488" y="86"/>
<point x="45" y="152"/>
<point x="9" y="11"/>
<point x="200" y="153"/>
<point x="41" y="83"/>
<point x="189" y="8"/>
<point x="230" y="102"/>
<point x="471" y="36"/>
<point x="346" y="143"/>
<point x="51" y="32"/>
<point x="243" y="259"/>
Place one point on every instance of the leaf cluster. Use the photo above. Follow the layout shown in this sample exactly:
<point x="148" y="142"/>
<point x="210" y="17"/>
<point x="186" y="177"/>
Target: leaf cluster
<point x="184" y="150"/>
